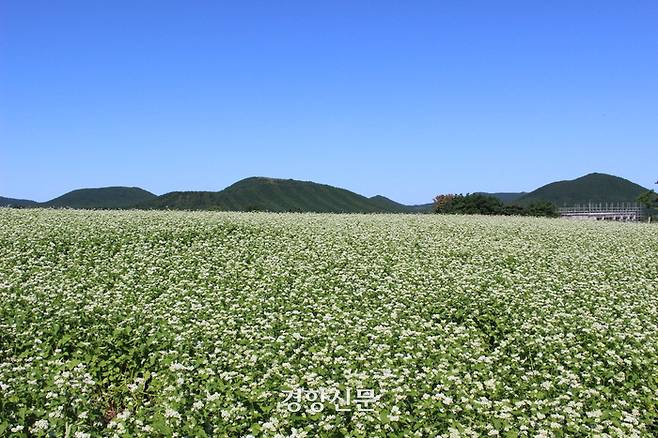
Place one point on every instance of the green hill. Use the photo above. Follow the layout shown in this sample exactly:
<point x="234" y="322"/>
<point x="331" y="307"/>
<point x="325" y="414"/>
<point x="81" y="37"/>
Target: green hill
<point x="11" y="202"/>
<point x="104" y="197"/>
<point x="387" y="204"/>
<point x="420" y="208"/>
<point x="594" y="187"/>
<point x="278" y="195"/>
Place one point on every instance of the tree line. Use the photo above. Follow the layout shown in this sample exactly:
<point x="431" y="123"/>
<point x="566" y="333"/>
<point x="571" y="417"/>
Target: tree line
<point x="476" y="203"/>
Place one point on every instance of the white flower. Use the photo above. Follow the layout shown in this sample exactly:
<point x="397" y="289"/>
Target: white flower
<point x="395" y="414"/>
<point x="269" y="426"/>
<point x="124" y="415"/>
<point x="594" y="414"/>
<point x="40" y="425"/>
<point x="177" y="366"/>
<point x="171" y="413"/>
<point x="212" y="397"/>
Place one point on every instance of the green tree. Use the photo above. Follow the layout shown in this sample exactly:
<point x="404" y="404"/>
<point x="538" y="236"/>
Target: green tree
<point x="444" y="203"/>
<point x="469" y="204"/>
<point x="649" y="199"/>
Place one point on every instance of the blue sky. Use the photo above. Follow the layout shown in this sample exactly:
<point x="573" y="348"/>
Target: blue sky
<point x="405" y="99"/>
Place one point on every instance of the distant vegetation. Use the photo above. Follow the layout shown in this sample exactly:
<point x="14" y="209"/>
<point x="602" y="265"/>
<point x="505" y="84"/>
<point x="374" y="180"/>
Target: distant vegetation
<point x="478" y="203"/>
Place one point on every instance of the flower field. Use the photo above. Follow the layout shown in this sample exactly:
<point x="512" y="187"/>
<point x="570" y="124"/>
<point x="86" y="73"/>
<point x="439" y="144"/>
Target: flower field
<point x="198" y="324"/>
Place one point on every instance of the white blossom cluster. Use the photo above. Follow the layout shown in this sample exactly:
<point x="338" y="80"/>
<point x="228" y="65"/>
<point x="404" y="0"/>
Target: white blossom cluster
<point x="135" y="323"/>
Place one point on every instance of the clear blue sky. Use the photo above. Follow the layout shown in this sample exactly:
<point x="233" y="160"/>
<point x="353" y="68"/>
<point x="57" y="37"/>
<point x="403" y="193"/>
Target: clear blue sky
<point x="402" y="98"/>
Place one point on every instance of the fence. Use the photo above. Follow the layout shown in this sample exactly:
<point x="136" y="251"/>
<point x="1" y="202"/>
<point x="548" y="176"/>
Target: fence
<point x="621" y="211"/>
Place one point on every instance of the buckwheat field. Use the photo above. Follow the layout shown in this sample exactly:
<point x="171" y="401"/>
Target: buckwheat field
<point x="308" y="325"/>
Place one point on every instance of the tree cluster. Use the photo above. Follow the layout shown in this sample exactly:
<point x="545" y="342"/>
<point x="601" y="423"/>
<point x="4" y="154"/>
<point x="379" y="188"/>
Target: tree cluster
<point x="489" y="205"/>
<point x="649" y="199"/>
